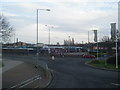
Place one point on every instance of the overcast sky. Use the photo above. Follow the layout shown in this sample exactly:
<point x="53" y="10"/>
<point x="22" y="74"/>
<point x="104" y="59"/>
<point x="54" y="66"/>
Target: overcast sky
<point x="72" y="18"/>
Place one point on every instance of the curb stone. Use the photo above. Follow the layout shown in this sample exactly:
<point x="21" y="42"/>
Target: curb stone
<point x="53" y="81"/>
<point x="49" y="76"/>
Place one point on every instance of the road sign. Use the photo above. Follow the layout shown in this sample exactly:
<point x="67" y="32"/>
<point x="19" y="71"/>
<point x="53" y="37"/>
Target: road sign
<point x="106" y="55"/>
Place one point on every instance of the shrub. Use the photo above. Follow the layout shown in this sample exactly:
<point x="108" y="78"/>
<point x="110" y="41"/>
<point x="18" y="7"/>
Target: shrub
<point x="95" y="53"/>
<point x="95" y="61"/>
<point x="112" y="60"/>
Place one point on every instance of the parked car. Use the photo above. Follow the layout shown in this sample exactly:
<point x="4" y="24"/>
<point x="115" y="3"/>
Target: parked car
<point x="88" y="56"/>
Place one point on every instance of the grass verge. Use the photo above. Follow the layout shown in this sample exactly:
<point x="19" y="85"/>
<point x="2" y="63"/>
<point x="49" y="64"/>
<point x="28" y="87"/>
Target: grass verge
<point x="101" y="64"/>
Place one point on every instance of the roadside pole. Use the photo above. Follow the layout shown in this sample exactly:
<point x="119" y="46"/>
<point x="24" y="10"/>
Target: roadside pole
<point x="105" y="56"/>
<point x="105" y="61"/>
<point x="96" y="39"/>
<point x="116" y="51"/>
<point x="97" y="49"/>
<point x="88" y="42"/>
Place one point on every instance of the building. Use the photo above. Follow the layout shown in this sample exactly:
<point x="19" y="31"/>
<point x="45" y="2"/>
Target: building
<point x="39" y="45"/>
<point x="69" y="41"/>
<point x="113" y="31"/>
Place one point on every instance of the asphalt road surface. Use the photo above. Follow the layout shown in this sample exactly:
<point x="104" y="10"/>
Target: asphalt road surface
<point x="73" y="73"/>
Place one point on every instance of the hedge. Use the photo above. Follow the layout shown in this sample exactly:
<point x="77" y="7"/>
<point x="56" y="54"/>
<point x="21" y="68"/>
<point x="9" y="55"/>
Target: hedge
<point x="112" y="60"/>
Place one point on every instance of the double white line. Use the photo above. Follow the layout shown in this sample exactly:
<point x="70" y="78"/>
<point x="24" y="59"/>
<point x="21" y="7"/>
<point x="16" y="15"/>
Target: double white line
<point x="26" y="82"/>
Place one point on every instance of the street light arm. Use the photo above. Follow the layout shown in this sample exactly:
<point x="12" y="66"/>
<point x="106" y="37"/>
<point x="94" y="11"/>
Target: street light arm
<point x="49" y="26"/>
<point x="44" y="9"/>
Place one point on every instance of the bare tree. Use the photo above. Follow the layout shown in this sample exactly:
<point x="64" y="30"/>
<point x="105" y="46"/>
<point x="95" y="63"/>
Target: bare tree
<point x="105" y="39"/>
<point x="5" y="29"/>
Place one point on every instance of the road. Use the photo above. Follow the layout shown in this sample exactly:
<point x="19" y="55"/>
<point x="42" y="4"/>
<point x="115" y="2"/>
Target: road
<point x="73" y="73"/>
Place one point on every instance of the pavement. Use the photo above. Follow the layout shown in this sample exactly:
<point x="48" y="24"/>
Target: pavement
<point x="19" y="74"/>
<point x="9" y="64"/>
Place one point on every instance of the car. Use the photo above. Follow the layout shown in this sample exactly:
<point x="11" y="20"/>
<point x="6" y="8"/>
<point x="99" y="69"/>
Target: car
<point x="88" y="56"/>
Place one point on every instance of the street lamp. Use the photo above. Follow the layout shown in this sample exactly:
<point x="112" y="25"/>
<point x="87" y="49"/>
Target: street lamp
<point x="49" y="37"/>
<point x="117" y="48"/>
<point x="49" y="33"/>
<point x="88" y="37"/>
<point x="37" y="53"/>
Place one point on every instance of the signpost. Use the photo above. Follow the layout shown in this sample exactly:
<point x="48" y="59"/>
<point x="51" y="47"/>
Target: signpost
<point x="106" y="56"/>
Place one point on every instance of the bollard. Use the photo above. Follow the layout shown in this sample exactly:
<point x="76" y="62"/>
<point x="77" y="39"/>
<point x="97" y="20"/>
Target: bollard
<point x="53" y="58"/>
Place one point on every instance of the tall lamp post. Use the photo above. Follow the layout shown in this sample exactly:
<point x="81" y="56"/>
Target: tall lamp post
<point x="37" y="53"/>
<point x="49" y="33"/>
<point x="88" y="37"/>
<point x="49" y="37"/>
<point x="88" y="41"/>
<point x="117" y="48"/>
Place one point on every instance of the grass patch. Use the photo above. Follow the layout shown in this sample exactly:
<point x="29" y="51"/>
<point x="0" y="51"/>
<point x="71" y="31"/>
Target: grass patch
<point x="101" y="64"/>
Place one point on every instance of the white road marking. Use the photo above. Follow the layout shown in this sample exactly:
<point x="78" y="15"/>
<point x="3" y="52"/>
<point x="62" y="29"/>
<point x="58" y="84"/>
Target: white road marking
<point x="116" y="84"/>
<point x="29" y="82"/>
<point x="26" y="82"/>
